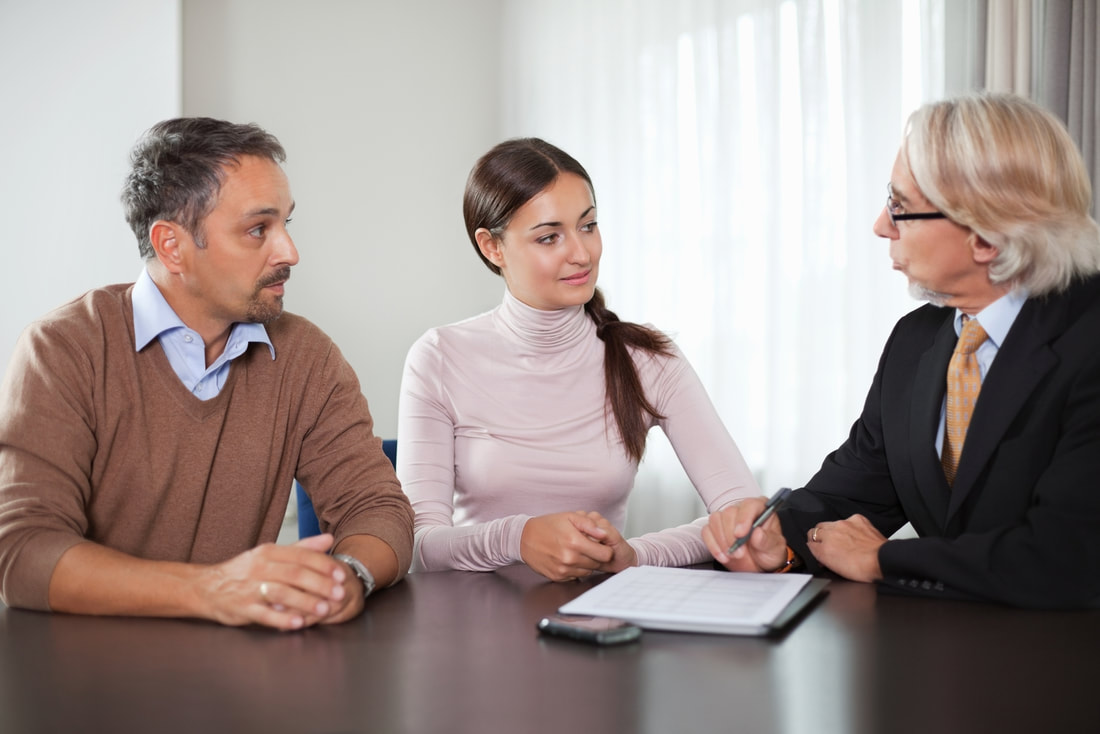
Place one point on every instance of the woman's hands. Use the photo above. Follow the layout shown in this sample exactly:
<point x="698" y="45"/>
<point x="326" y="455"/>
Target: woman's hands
<point x="571" y="545"/>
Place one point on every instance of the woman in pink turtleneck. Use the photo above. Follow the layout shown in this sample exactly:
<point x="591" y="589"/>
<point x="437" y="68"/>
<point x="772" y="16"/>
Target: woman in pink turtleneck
<point x="521" y="429"/>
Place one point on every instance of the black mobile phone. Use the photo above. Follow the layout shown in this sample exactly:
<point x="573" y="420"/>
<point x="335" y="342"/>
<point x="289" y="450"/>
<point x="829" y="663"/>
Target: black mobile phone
<point x="597" y="630"/>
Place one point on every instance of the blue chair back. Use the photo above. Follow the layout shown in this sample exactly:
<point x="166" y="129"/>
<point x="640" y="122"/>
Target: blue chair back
<point x="307" y="517"/>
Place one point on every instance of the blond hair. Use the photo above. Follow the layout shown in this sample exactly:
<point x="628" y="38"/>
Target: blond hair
<point x="1008" y="169"/>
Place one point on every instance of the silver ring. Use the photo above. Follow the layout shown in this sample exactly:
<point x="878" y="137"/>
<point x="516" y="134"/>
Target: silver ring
<point x="814" y="537"/>
<point x="263" y="590"/>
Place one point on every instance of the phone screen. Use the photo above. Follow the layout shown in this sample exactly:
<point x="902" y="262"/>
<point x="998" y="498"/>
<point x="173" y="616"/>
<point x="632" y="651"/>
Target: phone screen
<point x="599" y="630"/>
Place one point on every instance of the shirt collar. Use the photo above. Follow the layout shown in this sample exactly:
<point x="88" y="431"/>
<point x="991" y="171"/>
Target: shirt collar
<point x="153" y="316"/>
<point x="997" y="318"/>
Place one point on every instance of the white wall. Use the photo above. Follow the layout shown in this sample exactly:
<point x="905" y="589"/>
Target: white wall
<point x="383" y="108"/>
<point x="79" y="83"/>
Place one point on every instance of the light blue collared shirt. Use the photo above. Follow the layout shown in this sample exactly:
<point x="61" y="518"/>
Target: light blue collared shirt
<point x="186" y="352"/>
<point x="996" y="319"/>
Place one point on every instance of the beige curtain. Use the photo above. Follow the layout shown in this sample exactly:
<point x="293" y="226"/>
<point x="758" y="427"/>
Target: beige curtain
<point x="1008" y="49"/>
<point x="1048" y="50"/>
<point x="1069" y="79"/>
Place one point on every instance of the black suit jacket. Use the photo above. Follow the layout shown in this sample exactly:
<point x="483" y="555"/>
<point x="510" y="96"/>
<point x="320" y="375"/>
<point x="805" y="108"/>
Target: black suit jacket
<point x="1022" y="523"/>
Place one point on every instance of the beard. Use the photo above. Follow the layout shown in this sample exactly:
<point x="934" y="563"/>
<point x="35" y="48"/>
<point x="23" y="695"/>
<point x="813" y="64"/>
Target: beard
<point x="261" y="311"/>
<point x="919" y="292"/>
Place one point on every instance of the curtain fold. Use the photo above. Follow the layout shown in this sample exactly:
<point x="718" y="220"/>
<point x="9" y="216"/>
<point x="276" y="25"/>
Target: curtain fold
<point x="1048" y="50"/>
<point x="1009" y="47"/>
<point x="1070" y="80"/>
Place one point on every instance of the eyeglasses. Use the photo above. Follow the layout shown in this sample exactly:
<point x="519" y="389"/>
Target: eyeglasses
<point x="894" y="210"/>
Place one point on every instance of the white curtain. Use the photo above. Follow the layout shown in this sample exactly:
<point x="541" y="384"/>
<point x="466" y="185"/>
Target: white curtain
<point x="740" y="152"/>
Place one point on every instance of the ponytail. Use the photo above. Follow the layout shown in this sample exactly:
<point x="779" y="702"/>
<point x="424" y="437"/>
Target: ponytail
<point x="624" y="389"/>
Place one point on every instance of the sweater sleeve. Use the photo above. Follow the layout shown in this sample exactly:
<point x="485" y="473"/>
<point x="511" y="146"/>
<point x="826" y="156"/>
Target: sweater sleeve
<point x="706" y="450"/>
<point x="47" y="443"/>
<point x="425" y="464"/>
<point x="349" y="478"/>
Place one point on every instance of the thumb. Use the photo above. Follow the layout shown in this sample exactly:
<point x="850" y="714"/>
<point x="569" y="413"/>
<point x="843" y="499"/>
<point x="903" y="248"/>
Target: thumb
<point x="320" y="543"/>
<point x="587" y="525"/>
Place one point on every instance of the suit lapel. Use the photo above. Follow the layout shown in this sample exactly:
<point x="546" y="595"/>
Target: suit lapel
<point x="929" y="386"/>
<point x="1021" y="363"/>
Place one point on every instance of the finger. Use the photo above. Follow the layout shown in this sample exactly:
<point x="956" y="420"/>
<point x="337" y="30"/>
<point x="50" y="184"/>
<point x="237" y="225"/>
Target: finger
<point x="280" y="619"/>
<point x="818" y="551"/>
<point x="584" y="523"/>
<point x="768" y="545"/>
<point x="587" y="557"/>
<point x="303" y="553"/>
<point x="293" y="600"/>
<point x="744" y="514"/>
<point x="714" y="546"/>
<point x="320" y="543"/>
<point x="716" y="526"/>
<point x="308" y="553"/>
<point x="307" y="572"/>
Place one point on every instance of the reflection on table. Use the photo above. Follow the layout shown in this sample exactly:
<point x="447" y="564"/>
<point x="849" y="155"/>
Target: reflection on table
<point x="458" y="652"/>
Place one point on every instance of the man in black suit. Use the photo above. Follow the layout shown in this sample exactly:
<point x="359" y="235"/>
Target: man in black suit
<point x="988" y="217"/>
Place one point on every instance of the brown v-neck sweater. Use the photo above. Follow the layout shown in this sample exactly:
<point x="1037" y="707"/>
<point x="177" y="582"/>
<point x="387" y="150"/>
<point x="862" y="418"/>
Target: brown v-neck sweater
<point x="102" y="443"/>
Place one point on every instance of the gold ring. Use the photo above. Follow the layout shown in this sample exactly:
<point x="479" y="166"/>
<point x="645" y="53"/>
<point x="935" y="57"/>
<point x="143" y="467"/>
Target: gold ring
<point x="263" y="590"/>
<point x="814" y="538"/>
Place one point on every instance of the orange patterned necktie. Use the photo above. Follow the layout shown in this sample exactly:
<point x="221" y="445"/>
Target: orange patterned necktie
<point x="964" y="382"/>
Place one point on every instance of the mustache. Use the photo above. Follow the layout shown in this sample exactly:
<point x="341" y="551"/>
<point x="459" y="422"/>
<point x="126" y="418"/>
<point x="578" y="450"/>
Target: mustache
<point x="277" y="276"/>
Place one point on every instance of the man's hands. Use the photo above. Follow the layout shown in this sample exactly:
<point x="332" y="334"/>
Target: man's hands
<point x="286" y="587"/>
<point x="571" y="545"/>
<point x="765" y="551"/>
<point x="846" y="547"/>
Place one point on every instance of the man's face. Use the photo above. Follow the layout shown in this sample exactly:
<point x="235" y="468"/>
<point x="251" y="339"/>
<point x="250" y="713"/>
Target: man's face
<point x="936" y="255"/>
<point x="248" y="253"/>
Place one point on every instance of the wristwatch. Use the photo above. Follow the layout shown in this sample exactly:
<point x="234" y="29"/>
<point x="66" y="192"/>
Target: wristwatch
<point x="359" y="570"/>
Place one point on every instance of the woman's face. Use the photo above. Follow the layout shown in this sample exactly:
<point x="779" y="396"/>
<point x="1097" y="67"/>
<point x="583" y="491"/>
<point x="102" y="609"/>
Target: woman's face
<point x="550" y="252"/>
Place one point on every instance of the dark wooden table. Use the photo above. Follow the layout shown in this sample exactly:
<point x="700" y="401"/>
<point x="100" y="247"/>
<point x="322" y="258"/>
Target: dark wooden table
<point x="458" y="652"/>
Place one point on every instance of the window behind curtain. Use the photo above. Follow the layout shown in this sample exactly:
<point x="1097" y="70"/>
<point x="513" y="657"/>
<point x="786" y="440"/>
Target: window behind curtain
<point x="740" y="152"/>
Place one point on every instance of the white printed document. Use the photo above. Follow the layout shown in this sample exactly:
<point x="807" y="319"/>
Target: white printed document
<point x="692" y="600"/>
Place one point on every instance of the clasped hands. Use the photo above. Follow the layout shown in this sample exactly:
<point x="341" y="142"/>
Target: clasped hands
<point x="572" y="545"/>
<point x="846" y="547"/>
<point x="283" y="586"/>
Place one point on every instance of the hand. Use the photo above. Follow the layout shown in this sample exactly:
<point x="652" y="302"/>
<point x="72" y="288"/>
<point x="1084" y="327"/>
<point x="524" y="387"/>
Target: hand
<point x="765" y="551"/>
<point x="848" y="547"/>
<point x="564" y="546"/>
<point x="282" y="586"/>
<point x="623" y="555"/>
<point x="351" y="603"/>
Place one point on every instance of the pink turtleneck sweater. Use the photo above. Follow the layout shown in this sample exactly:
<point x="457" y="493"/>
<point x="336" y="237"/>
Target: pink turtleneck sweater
<point x="503" y="417"/>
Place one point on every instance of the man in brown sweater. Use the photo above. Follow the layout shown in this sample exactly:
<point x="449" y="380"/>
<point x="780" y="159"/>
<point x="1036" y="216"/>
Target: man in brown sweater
<point x="150" y="433"/>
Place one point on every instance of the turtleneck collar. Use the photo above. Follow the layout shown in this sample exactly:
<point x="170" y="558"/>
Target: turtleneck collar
<point x="543" y="330"/>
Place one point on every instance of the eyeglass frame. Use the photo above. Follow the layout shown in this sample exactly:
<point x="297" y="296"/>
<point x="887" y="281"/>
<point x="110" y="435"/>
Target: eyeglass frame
<point x="895" y="218"/>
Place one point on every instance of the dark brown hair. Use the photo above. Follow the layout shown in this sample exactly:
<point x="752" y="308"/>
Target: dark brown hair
<point x="177" y="169"/>
<point x="503" y="180"/>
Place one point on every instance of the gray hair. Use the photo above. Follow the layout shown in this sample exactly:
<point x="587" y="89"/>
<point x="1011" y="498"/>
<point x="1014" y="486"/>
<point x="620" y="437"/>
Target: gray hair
<point x="177" y="170"/>
<point x="1008" y="170"/>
